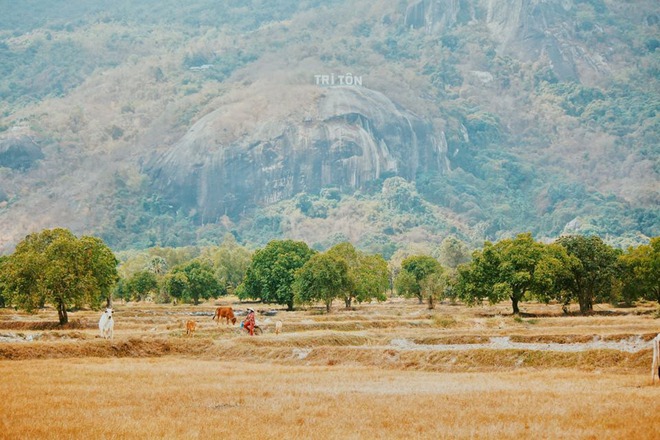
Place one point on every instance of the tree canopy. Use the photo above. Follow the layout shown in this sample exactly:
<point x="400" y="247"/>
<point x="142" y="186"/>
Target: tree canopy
<point x="231" y="261"/>
<point x="324" y="277"/>
<point x="591" y="270"/>
<point x="140" y="285"/>
<point x="367" y="274"/>
<point x="642" y="271"/>
<point x="271" y="273"/>
<point x="55" y="267"/>
<point x="193" y="281"/>
<point x="421" y="276"/>
<point x="513" y="269"/>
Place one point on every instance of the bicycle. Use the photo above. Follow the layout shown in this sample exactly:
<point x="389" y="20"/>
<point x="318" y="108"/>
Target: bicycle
<point x="257" y="330"/>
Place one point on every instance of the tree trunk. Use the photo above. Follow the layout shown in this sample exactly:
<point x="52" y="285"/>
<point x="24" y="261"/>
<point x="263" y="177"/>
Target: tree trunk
<point x="61" y="313"/>
<point x="586" y="305"/>
<point x="514" y="303"/>
<point x="327" y="306"/>
<point x="348" y="301"/>
<point x="289" y="305"/>
<point x="431" y="304"/>
<point x="420" y="298"/>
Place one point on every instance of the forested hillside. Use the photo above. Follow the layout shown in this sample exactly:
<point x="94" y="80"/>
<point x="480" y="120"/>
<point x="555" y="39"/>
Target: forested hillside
<point x="159" y="123"/>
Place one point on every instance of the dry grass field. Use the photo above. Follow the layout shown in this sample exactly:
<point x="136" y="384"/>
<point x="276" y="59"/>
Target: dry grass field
<point x="388" y="370"/>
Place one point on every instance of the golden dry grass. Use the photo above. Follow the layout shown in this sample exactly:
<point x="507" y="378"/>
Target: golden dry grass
<point x="371" y="372"/>
<point x="192" y="398"/>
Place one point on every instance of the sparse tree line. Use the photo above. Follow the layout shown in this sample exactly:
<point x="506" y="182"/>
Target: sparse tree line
<point x="57" y="268"/>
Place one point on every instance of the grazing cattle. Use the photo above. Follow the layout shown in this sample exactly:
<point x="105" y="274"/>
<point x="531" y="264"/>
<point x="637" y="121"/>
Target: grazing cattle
<point x="191" y="326"/>
<point x="226" y="313"/>
<point x="107" y="324"/>
<point x="278" y="327"/>
<point x="655" y="365"/>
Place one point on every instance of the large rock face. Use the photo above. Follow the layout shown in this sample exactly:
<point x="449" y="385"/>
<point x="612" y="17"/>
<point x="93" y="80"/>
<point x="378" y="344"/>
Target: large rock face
<point x="258" y="150"/>
<point x="527" y="29"/>
<point x="19" y="152"/>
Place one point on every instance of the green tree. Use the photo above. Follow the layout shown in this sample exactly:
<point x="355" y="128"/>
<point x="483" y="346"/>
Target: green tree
<point x="642" y="271"/>
<point x="516" y="269"/>
<point x="55" y="267"/>
<point x="271" y="273"/>
<point x="323" y="277"/>
<point x="193" y="281"/>
<point x="421" y="277"/>
<point x="453" y="252"/>
<point x="3" y="294"/>
<point x="372" y="279"/>
<point x="368" y="274"/>
<point x="157" y="265"/>
<point x="591" y="270"/>
<point x="401" y="195"/>
<point x="140" y="285"/>
<point x="231" y="261"/>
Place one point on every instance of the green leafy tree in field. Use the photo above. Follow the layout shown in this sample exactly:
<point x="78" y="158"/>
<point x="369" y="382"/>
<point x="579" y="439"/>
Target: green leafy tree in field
<point x="475" y="280"/>
<point x="271" y="273"/>
<point x="55" y="267"/>
<point x="453" y="252"/>
<point x="368" y="274"/>
<point x="193" y="281"/>
<point x="176" y="284"/>
<point x="324" y="277"/>
<point x="590" y="272"/>
<point x="157" y="265"/>
<point x="421" y="276"/>
<point x="3" y="294"/>
<point x="372" y="279"/>
<point x="140" y="285"/>
<point x="514" y="269"/>
<point x="231" y="262"/>
<point x="642" y="271"/>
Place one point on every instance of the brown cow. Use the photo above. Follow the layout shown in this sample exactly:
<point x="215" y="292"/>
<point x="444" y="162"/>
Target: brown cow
<point x="191" y="326"/>
<point x="226" y="313"/>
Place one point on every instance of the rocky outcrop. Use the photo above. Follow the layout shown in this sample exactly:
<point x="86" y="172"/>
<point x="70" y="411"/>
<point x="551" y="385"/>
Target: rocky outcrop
<point x="19" y="152"/>
<point x="533" y="29"/>
<point x="342" y="137"/>
<point x="528" y="29"/>
<point x="438" y="15"/>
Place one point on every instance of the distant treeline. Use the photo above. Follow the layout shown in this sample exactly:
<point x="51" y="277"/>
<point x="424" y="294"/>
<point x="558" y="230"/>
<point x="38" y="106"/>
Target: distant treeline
<point x="55" y="267"/>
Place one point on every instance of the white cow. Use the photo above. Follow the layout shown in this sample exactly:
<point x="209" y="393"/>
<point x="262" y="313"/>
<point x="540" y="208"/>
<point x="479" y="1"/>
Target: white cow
<point x="106" y="324"/>
<point x="278" y="327"/>
<point x="655" y="365"/>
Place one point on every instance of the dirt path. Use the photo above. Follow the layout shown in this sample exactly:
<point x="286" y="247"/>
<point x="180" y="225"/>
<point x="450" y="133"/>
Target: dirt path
<point x="632" y="344"/>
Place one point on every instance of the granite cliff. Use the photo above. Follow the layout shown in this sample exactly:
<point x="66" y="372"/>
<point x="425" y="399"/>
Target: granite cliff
<point x="303" y="140"/>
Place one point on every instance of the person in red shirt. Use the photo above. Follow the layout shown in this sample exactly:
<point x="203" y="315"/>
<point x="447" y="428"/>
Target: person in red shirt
<point x="249" y="322"/>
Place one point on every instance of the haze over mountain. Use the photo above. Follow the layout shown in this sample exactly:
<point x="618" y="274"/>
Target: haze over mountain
<point x="389" y="124"/>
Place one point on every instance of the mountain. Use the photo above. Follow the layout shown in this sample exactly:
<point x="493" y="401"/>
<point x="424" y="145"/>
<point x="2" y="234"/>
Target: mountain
<point x="389" y="124"/>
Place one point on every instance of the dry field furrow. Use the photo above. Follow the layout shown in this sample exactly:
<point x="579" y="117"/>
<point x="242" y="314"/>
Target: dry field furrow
<point x="389" y="370"/>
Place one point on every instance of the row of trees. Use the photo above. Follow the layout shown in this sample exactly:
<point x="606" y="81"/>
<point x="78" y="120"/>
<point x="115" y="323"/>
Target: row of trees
<point x="572" y="269"/>
<point x="184" y="274"/>
<point x="289" y="272"/>
<point x="577" y="269"/>
<point x="57" y="268"/>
